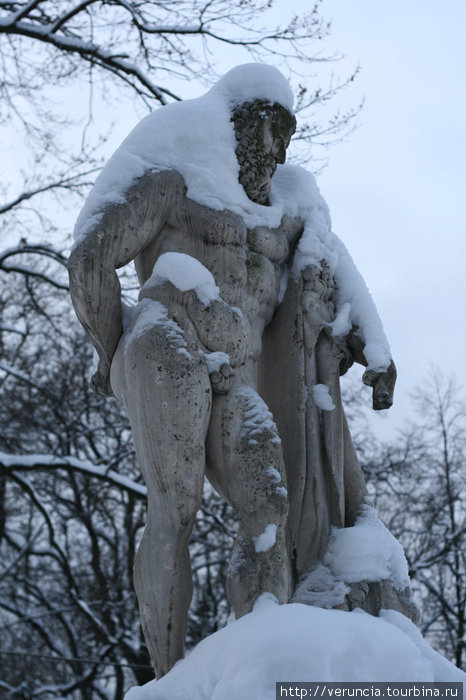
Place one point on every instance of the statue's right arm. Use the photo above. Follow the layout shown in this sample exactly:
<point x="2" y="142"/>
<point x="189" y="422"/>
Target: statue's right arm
<point x="122" y="232"/>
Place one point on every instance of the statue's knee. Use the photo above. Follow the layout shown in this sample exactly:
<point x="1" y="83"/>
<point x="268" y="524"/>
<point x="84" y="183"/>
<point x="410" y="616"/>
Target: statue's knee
<point x="172" y="518"/>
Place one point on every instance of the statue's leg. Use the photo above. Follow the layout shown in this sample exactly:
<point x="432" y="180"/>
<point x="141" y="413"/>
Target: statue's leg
<point x="245" y="464"/>
<point x="163" y="381"/>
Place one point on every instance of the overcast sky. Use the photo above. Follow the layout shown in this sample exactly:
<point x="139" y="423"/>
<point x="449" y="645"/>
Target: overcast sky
<point x="396" y="189"/>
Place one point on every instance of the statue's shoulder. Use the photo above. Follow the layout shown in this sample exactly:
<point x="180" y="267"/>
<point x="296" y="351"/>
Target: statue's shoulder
<point x="111" y="201"/>
<point x="160" y="182"/>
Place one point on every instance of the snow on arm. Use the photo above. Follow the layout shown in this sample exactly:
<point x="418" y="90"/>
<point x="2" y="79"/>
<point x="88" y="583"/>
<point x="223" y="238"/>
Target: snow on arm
<point x="342" y="325"/>
<point x="185" y="273"/>
<point x="215" y="360"/>
<point x="354" y="304"/>
<point x="352" y="290"/>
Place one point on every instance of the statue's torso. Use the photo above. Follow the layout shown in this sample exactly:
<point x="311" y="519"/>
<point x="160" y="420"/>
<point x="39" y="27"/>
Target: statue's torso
<point x="247" y="265"/>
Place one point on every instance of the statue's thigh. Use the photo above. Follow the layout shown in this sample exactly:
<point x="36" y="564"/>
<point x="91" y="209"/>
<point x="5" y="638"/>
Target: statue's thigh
<point x="244" y="455"/>
<point x="163" y="381"/>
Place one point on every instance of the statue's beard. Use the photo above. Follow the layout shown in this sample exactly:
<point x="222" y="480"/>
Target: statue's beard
<point x="256" y="168"/>
<point x="256" y="172"/>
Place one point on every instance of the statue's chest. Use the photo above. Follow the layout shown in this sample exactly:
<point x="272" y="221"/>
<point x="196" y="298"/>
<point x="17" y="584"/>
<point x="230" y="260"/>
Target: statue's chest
<point x="209" y="226"/>
<point x="227" y="230"/>
<point x="271" y="243"/>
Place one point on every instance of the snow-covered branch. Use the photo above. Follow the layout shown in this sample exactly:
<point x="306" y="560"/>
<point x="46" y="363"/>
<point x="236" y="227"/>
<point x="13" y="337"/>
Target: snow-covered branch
<point x="51" y="462"/>
<point x="155" y="33"/>
<point x="40" y="250"/>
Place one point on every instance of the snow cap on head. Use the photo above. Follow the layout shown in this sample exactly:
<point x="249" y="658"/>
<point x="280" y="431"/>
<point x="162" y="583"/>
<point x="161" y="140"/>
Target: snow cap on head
<point x="254" y="81"/>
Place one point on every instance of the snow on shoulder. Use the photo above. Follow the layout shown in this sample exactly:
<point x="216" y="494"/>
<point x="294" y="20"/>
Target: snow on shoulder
<point x="196" y="138"/>
<point x="274" y="643"/>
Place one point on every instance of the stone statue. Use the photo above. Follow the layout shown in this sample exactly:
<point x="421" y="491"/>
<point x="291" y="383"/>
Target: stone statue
<point x="240" y="320"/>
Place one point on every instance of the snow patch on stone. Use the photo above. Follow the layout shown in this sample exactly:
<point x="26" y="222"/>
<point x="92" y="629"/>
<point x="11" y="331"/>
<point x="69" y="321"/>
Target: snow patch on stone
<point x="214" y="360"/>
<point x="321" y="588"/>
<point x="267" y="539"/>
<point x="322" y="398"/>
<point x="367" y="552"/>
<point x="186" y="274"/>
<point x="150" y="313"/>
<point x="274" y="474"/>
<point x="257" y="418"/>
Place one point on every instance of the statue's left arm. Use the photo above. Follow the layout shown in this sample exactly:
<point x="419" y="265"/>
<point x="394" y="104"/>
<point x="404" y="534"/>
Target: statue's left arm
<point x="366" y="341"/>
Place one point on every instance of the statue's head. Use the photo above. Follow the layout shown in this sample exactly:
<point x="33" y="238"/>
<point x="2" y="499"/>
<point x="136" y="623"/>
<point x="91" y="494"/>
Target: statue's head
<point x="263" y="131"/>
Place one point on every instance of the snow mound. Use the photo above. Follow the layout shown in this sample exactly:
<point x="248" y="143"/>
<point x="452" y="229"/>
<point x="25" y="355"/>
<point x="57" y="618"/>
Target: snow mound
<point x="367" y="551"/>
<point x="298" y="642"/>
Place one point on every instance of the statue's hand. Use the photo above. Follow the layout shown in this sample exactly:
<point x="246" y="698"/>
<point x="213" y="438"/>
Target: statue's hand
<point x="383" y="385"/>
<point x="100" y="381"/>
<point x="221" y="379"/>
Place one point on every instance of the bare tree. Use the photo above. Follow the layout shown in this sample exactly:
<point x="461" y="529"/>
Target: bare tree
<point x="154" y="36"/>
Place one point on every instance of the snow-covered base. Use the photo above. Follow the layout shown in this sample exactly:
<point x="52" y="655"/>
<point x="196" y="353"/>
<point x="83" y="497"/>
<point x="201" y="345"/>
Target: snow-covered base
<point x="298" y="642"/>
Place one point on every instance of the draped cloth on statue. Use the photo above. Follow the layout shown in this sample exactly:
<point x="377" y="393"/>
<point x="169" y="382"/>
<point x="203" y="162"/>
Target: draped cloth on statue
<point x="324" y="478"/>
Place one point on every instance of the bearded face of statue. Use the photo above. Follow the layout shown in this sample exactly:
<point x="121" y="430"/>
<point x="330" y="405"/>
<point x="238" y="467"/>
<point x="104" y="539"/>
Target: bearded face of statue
<point x="263" y="132"/>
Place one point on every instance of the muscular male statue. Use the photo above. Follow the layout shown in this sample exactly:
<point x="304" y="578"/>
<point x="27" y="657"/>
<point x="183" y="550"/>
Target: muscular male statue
<point x="217" y="329"/>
